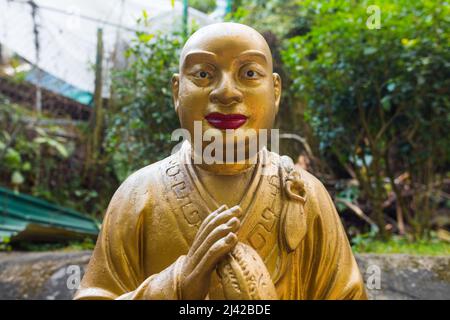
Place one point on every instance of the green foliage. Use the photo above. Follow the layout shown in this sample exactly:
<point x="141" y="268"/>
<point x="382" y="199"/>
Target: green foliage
<point x="85" y="244"/>
<point x="377" y="99"/>
<point x="140" y="124"/>
<point x="367" y="243"/>
<point x="278" y="16"/>
<point x="23" y="141"/>
<point x="349" y="193"/>
<point x="5" y="244"/>
<point x="206" y="6"/>
<point x="40" y="158"/>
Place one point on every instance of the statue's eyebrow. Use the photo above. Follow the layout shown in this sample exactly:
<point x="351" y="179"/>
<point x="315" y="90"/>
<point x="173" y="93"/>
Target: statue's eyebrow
<point x="199" y="56"/>
<point x="252" y="53"/>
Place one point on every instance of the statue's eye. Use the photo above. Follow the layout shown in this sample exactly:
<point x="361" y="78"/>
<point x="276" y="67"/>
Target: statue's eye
<point x="203" y="74"/>
<point x="250" y="73"/>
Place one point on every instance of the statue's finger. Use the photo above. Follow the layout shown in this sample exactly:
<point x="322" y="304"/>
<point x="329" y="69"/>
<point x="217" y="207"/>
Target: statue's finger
<point x="221" y="218"/>
<point x="218" y="233"/>
<point x="212" y="216"/>
<point x="219" y="249"/>
<point x="197" y="242"/>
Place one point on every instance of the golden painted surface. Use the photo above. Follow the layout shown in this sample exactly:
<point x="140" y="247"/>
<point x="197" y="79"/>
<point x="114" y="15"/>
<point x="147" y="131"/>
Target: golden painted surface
<point x="172" y="227"/>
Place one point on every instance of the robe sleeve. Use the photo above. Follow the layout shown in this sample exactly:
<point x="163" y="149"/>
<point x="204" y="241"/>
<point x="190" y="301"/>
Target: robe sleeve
<point x="115" y="270"/>
<point x="324" y="263"/>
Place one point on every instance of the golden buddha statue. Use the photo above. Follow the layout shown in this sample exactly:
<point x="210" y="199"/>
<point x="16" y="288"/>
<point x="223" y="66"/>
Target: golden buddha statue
<point x="253" y="229"/>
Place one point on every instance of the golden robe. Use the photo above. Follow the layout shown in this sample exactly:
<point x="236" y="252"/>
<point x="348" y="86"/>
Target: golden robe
<point x="154" y="215"/>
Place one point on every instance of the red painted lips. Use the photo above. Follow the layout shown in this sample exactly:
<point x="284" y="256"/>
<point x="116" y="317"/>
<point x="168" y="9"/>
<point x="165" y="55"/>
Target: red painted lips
<point x="226" y="121"/>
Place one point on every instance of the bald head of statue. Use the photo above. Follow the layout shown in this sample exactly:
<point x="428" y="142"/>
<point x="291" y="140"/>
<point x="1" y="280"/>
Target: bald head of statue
<point x="226" y="80"/>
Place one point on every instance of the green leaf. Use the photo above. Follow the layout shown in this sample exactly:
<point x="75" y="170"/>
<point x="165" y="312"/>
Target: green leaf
<point x="369" y="50"/>
<point x="386" y="103"/>
<point x="41" y="140"/>
<point x="146" y="37"/>
<point x="17" y="178"/>
<point x="41" y="131"/>
<point x="26" y="166"/>
<point x="60" y="148"/>
<point x="12" y="157"/>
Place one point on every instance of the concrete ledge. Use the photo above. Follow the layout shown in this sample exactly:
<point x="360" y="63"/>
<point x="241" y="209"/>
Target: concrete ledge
<point x="39" y="275"/>
<point x="52" y="275"/>
<point x="406" y="277"/>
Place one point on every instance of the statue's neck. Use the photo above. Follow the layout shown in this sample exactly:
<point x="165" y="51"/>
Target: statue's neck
<point x="226" y="188"/>
<point x="226" y="169"/>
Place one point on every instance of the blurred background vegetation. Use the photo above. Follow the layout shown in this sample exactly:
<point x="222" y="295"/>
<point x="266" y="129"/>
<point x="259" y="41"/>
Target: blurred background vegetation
<point x="372" y="106"/>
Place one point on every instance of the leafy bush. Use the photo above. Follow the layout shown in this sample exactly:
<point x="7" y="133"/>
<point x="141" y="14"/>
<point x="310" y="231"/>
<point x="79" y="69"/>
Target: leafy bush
<point x="378" y="99"/>
<point x="40" y="157"/>
<point x="142" y="118"/>
<point x="23" y="141"/>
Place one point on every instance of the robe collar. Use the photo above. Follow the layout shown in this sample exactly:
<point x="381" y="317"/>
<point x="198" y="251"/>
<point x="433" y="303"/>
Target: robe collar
<point x="205" y="198"/>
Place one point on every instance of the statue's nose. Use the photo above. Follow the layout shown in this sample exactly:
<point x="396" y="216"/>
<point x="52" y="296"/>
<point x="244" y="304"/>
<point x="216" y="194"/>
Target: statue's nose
<point x="226" y="92"/>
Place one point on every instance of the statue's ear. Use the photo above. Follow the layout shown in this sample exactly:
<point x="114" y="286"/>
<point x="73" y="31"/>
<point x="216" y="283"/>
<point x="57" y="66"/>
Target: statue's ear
<point x="277" y="89"/>
<point x="175" y="90"/>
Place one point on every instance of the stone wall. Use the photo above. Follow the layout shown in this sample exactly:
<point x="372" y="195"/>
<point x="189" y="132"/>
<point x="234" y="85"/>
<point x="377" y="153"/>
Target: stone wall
<point x="52" y="275"/>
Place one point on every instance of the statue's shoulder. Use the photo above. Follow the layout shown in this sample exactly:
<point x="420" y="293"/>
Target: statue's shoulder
<point x="312" y="183"/>
<point x="319" y="201"/>
<point x="138" y="190"/>
<point x="314" y="190"/>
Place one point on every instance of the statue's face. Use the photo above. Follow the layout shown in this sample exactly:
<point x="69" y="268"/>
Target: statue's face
<point x="226" y="80"/>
